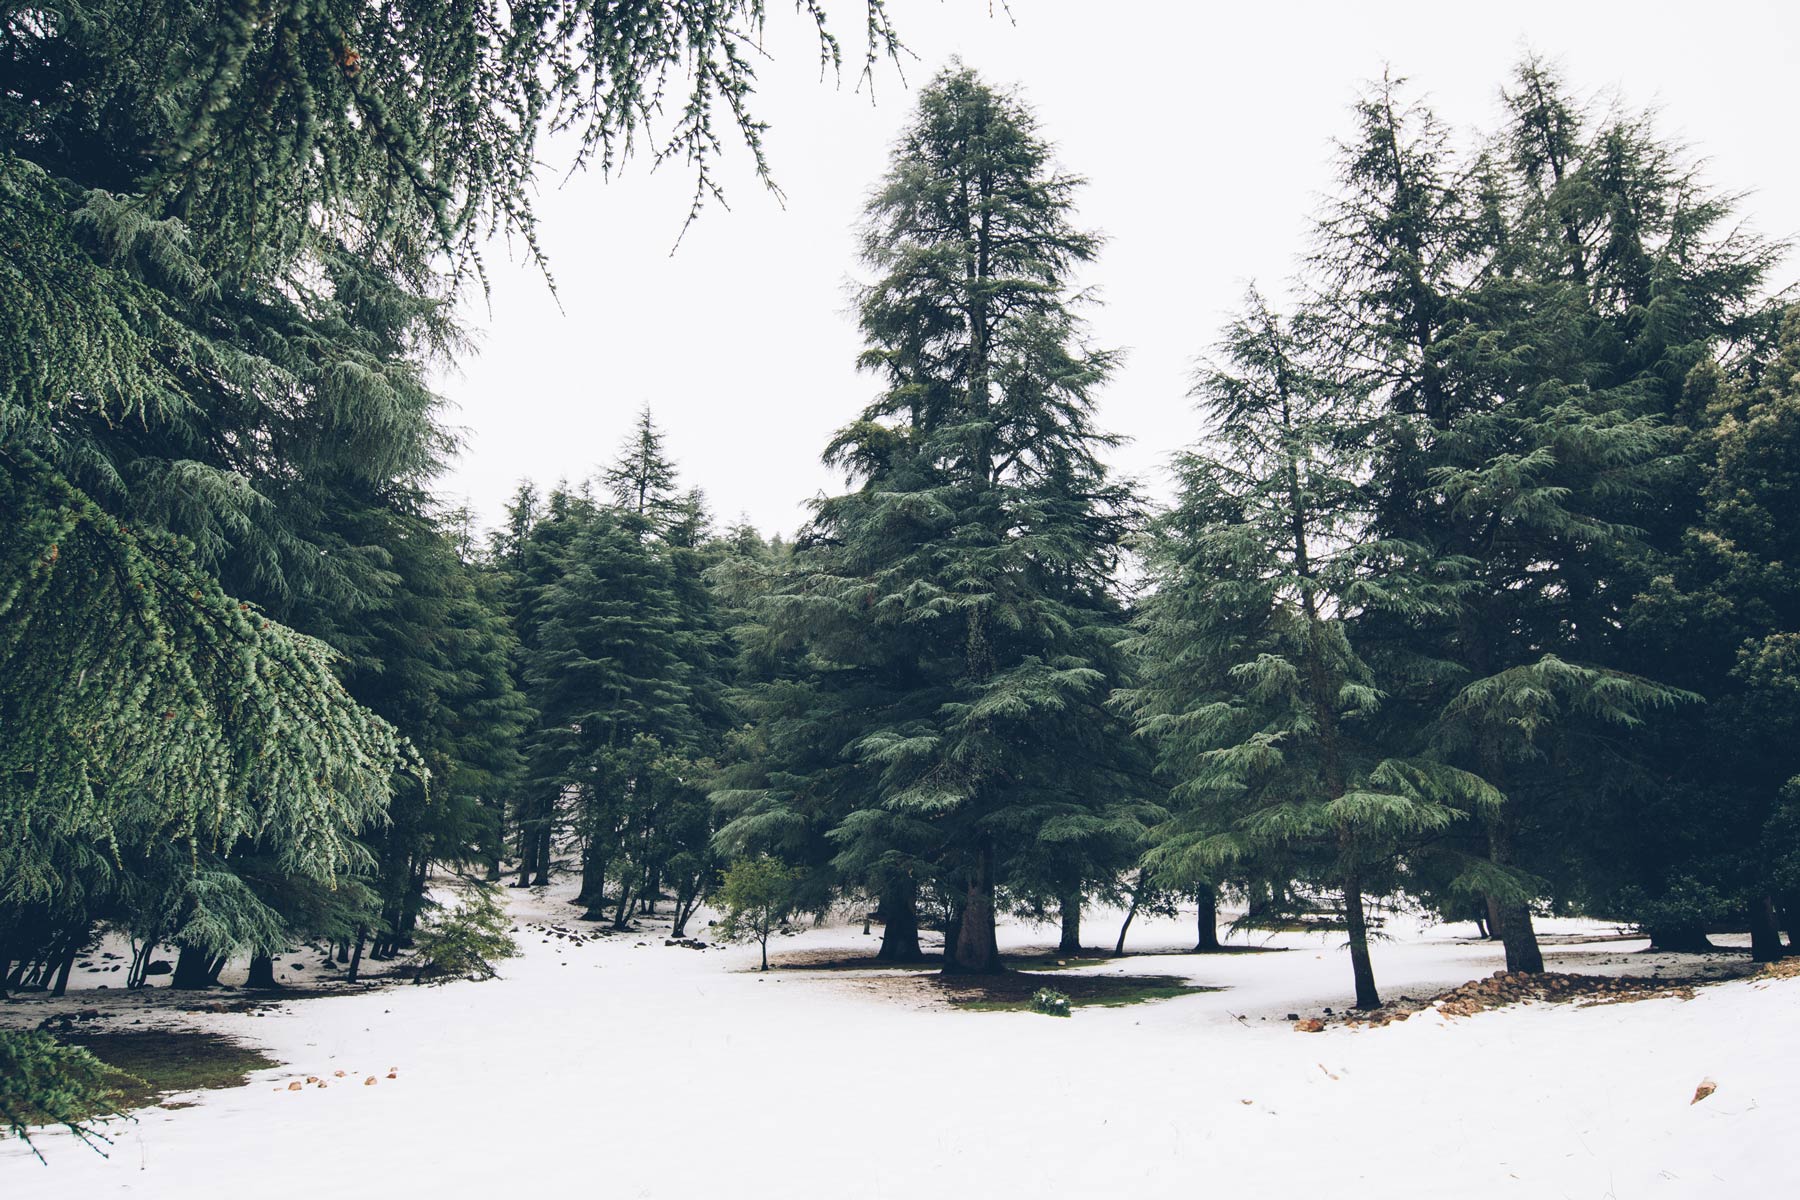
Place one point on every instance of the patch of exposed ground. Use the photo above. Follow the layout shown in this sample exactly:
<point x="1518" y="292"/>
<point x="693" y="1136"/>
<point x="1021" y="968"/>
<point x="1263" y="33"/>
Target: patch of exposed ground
<point x="1505" y="988"/>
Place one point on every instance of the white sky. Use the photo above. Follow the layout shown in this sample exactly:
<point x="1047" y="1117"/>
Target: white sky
<point x="1205" y="131"/>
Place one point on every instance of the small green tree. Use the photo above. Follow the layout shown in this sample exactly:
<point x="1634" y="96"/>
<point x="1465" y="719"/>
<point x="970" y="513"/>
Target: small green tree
<point x="465" y="943"/>
<point x="757" y="895"/>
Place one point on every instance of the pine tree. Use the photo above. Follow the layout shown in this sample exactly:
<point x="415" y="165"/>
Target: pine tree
<point x="1726" y="618"/>
<point x="1486" y="326"/>
<point x="1262" y="707"/>
<point x="642" y="478"/>
<point x="970" y="577"/>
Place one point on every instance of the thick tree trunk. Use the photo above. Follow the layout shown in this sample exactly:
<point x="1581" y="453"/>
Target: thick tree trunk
<point x="1765" y="931"/>
<point x="193" y="969"/>
<point x="1790" y="921"/>
<point x="1491" y="930"/>
<point x="1070" y="941"/>
<point x="593" y="887"/>
<point x="975" y="950"/>
<point x="1206" y="921"/>
<point x="1513" y="916"/>
<point x="65" y="966"/>
<point x="1520" y="939"/>
<point x="262" y="972"/>
<point x="900" y="930"/>
<point x="1361" y="966"/>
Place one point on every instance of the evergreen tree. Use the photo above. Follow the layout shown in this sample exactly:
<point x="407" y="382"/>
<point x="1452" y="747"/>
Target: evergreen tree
<point x="1263" y="708"/>
<point x="967" y="586"/>
<point x="1726" y="618"/>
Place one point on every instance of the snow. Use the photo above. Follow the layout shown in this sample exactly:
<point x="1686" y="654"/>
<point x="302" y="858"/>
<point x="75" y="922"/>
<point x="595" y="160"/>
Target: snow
<point x="625" y="1071"/>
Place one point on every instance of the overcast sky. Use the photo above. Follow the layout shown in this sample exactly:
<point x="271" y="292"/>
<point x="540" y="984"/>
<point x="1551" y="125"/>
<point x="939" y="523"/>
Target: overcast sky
<point x="1205" y="132"/>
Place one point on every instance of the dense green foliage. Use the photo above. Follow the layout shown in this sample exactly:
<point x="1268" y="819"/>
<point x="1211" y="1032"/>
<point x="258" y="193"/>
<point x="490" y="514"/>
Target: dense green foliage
<point x="958" y="612"/>
<point x="1478" y="589"/>
<point x="43" y="1082"/>
<point x="256" y="683"/>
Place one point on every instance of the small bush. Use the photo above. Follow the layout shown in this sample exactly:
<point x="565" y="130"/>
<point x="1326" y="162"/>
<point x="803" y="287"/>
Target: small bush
<point x="756" y="894"/>
<point x="1050" y="1002"/>
<point x="464" y="943"/>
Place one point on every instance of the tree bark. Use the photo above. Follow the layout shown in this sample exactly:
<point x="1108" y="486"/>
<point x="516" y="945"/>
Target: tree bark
<point x="362" y="934"/>
<point x="975" y="949"/>
<point x="193" y="969"/>
<point x="1361" y="966"/>
<point x="65" y="966"/>
<point x="900" y="928"/>
<point x="1765" y="931"/>
<point x="1513" y="916"/>
<point x="1206" y="921"/>
<point x="1070" y="941"/>
<point x="1491" y="930"/>
<point x="262" y="972"/>
<point x="1136" y="892"/>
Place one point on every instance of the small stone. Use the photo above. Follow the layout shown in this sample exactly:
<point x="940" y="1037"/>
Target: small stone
<point x="295" y="1086"/>
<point x="369" y="1082"/>
<point x="1707" y="1087"/>
<point x="1310" y="1025"/>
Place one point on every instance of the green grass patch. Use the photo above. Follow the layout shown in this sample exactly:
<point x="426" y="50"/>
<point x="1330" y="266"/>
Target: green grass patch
<point x="1012" y="992"/>
<point x="151" y="1064"/>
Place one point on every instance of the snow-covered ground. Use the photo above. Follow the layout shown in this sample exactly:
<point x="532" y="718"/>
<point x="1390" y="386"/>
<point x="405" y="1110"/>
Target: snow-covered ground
<point x="617" y="1070"/>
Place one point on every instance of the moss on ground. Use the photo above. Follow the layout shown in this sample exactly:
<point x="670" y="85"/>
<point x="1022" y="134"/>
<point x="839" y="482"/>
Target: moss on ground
<point x="151" y="1064"/>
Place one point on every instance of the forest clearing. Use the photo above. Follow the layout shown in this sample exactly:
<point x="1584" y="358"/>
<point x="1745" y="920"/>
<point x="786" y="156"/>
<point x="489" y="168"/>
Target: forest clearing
<point x="715" y="598"/>
<point x="686" y="1073"/>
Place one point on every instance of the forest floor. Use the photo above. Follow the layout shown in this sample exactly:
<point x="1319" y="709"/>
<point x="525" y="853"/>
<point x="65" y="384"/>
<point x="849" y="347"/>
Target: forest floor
<point x="627" y="1067"/>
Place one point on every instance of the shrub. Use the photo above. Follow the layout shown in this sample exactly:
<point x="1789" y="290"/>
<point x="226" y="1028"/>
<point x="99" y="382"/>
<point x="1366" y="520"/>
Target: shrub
<point x="1050" y="1002"/>
<point x="464" y="943"/>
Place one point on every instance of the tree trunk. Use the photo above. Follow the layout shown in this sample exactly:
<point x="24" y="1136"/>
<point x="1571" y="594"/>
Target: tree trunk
<point x="1206" y="921"/>
<point x="1261" y="902"/>
<point x="1360" y="964"/>
<point x="1070" y="942"/>
<point x="1491" y="930"/>
<point x="527" y="842"/>
<point x="356" y="954"/>
<point x="65" y="966"/>
<point x="975" y="949"/>
<point x="541" y="874"/>
<point x="262" y="972"/>
<point x="900" y="931"/>
<point x="1514" y="916"/>
<point x="622" y="915"/>
<point x="1119" y="947"/>
<point x="193" y="969"/>
<point x="1765" y="931"/>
